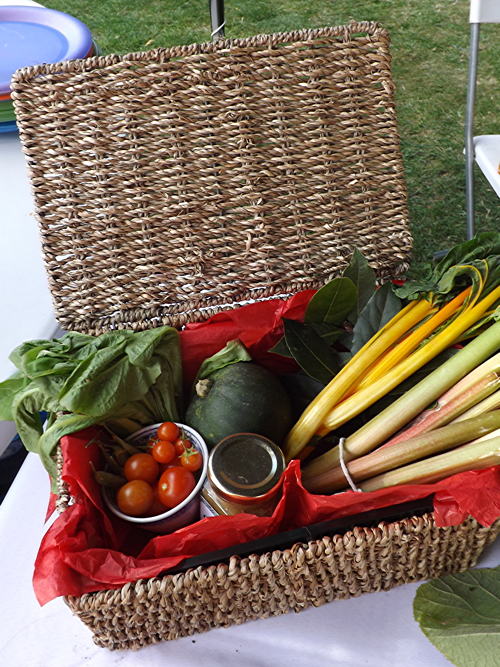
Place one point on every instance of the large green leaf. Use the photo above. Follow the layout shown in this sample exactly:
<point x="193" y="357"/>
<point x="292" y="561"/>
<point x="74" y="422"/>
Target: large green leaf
<point x="332" y="303"/>
<point x="480" y="252"/>
<point x="313" y="355"/>
<point x="460" y="615"/>
<point x="328" y="332"/>
<point x="364" y="279"/>
<point x="381" y="307"/>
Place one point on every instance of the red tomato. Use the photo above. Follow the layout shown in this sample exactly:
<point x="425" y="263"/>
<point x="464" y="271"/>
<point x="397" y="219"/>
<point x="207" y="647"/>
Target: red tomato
<point x="141" y="466"/>
<point x="157" y="507"/>
<point x="163" y="451"/>
<point x="168" y="431"/>
<point x="191" y="459"/>
<point x="182" y="444"/>
<point x="174" y="485"/>
<point x="135" y="498"/>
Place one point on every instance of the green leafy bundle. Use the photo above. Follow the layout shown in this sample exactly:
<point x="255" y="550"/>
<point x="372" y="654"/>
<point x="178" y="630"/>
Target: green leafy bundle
<point x="123" y="378"/>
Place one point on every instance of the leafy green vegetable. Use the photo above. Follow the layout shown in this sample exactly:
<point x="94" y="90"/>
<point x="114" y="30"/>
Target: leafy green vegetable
<point x="460" y="615"/>
<point x="8" y="390"/>
<point x="364" y="279"/>
<point x="301" y="389"/>
<point x="333" y="302"/>
<point x="381" y="307"/>
<point x="464" y="264"/>
<point x="314" y="356"/>
<point x="132" y="378"/>
<point x="231" y="353"/>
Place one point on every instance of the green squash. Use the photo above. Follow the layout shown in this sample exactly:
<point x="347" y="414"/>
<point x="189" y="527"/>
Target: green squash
<point x="240" y="398"/>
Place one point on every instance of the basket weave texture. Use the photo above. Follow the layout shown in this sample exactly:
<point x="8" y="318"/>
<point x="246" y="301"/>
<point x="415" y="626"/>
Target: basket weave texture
<point x="363" y="560"/>
<point x="172" y="183"/>
<point x="175" y="183"/>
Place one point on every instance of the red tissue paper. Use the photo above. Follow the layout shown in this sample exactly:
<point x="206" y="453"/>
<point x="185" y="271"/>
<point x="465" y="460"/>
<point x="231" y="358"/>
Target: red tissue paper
<point x="87" y="549"/>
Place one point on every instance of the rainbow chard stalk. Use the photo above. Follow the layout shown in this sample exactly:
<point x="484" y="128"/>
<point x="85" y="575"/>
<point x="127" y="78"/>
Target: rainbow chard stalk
<point x="490" y="403"/>
<point x="461" y="295"/>
<point x="473" y="456"/>
<point x="408" y="406"/>
<point x="419" y="447"/>
<point x="476" y="386"/>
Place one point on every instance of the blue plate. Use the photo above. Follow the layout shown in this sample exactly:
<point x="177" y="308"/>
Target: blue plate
<point x="8" y="127"/>
<point x="34" y="35"/>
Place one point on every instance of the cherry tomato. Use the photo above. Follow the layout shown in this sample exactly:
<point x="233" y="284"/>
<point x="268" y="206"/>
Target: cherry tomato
<point x="168" y="431"/>
<point x="163" y="451"/>
<point x="141" y="466"/>
<point x="182" y="444"/>
<point x="174" y="485"/>
<point x="135" y="498"/>
<point x="157" y="507"/>
<point x="191" y="459"/>
<point x="175" y="463"/>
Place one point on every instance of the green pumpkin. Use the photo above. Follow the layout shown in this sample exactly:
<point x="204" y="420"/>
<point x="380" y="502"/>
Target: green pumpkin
<point x="240" y="398"/>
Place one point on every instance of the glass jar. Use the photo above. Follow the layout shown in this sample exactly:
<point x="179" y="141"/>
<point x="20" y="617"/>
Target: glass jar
<point x="244" y="475"/>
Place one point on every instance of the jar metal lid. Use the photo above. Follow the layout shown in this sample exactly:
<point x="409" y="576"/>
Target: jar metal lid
<point x="246" y="467"/>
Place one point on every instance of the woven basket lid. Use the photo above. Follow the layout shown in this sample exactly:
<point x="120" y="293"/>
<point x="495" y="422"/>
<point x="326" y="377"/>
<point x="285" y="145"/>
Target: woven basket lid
<point x="178" y="182"/>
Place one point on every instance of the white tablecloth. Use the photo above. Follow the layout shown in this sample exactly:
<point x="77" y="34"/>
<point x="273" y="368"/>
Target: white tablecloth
<point x="374" y="630"/>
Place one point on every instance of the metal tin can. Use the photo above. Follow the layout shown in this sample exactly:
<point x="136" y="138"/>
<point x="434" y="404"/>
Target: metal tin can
<point x="244" y="475"/>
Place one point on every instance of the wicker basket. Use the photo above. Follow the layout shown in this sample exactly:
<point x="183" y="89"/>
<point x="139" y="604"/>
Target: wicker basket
<point x="172" y="184"/>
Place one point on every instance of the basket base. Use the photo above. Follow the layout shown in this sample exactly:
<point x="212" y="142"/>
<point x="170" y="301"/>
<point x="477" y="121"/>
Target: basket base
<point x="363" y="560"/>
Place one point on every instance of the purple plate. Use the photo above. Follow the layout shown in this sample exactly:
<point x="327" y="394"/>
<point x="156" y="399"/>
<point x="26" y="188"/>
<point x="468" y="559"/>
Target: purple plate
<point x="33" y="35"/>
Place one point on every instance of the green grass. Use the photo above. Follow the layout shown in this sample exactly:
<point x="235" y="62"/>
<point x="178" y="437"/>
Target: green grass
<point x="429" y="50"/>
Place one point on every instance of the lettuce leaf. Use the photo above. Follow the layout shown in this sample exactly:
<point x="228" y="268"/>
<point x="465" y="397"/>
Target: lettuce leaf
<point x="132" y="378"/>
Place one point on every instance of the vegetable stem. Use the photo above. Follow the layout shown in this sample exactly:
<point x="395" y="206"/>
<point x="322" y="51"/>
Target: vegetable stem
<point x="473" y="456"/>
<point x="419" y="447"/>
<point x="490" y="403"/>
<point x="315" y="413"/>
<point x="405" y="408"/>
<point x="448" y="407"/>
<point x="411" y="342"/>
<point x="369" y="395"/>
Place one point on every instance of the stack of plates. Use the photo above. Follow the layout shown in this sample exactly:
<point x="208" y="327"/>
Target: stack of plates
<point x="32" y="35"/>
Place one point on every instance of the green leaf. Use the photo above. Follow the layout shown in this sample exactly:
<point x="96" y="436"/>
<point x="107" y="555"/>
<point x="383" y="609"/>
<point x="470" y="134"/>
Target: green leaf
<point x="312" y="354"/>
<point x="281" y="348"/>
<point x="328" y="332"/>
<point x="233" y="352"/>
<point x="364" y="279"/>
<point x="481" y="246"/>
<point x="8" y="390"/>
<point x="460" y="615"/>
<point x="135" y="377"/>
<point x="381" y="307"/>
<point x="120" y="373"/>
<point x="301" y="389"/>
<point x="481" y="252"/>
<point x="332" y="303"/>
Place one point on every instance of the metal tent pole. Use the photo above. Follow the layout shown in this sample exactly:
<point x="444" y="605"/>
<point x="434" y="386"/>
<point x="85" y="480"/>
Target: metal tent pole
<point x="469" y="128"/>
<point x="216" y="8"/>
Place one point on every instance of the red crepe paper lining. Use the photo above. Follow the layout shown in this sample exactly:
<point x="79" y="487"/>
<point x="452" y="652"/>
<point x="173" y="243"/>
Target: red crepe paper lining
<point x="86" y="549"/>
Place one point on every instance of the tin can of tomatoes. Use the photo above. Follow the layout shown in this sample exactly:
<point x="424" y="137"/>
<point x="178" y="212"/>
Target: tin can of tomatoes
<point x="244" y="475"/>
